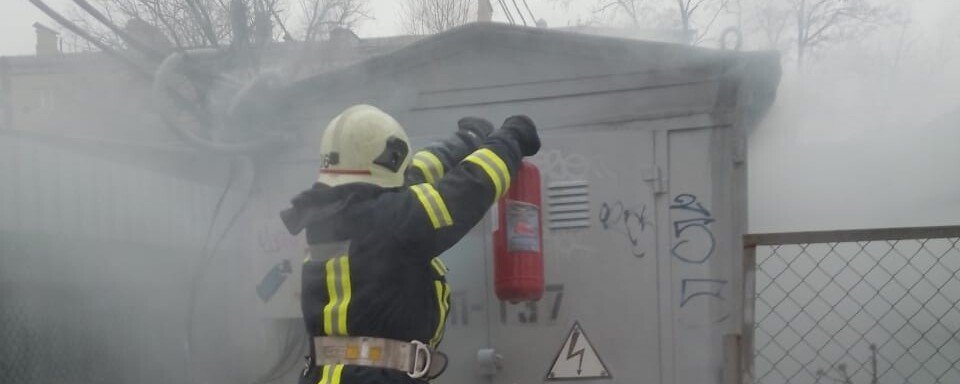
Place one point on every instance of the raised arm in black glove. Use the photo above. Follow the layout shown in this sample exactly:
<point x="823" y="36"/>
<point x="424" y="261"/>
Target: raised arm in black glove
<point x="474" y="130"/>
<point x="521" y="129"/>
<point x="432" y="162"/>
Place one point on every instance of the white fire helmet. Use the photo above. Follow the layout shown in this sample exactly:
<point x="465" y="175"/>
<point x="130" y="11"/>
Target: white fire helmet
<point x="364" y="145"/>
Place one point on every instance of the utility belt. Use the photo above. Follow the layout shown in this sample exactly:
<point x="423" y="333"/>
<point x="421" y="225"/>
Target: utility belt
<point x="414" y="358"/>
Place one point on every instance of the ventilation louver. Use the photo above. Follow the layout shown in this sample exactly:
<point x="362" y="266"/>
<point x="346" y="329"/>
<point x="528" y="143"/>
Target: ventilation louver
<point x="568" y="205"/>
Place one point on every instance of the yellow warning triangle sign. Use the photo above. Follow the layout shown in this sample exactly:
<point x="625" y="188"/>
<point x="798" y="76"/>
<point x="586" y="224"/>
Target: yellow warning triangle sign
<point x="577" y="359"/>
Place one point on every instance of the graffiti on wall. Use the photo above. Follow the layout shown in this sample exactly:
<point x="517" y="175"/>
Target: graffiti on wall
<point x="559" y="165"/>
<point x="631" y="222"/>
<point x="692" y="288"/>
<point x="694" y="245"/>
<point x="695" y="242"/>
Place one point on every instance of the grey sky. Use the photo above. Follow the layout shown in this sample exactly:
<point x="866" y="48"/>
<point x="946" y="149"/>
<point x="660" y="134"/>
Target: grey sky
<point x="17" y="17"/>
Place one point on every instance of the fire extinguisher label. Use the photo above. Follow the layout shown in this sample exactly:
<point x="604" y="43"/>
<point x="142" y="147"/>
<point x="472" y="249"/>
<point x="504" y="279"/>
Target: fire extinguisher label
<point x="523" y="227"/>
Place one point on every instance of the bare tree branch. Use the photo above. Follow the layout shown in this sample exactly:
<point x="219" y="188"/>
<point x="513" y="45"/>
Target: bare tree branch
<point x="689" y="11"/>
<point x="772" y="19"/>
<point x="203" y="19"/>
<point x="420" y="17"/>
<point x="150" y="51"/>
<point x="189" y="24"/>
<point x="702" y="33"/>
<point x="695" y="18"/>
<point x="135" y="66"/>
<point x="632" y="9"/>
<point x="321" y="16"/>
<point x="820" y="21"/>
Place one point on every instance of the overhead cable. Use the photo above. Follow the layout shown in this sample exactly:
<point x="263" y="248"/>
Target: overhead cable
<point x="519" y="12"/>
<point x="135" y="66"/>
<point x="533" y="19"/>
<point x="134" y="43"/>
<point x="506" y="11"/>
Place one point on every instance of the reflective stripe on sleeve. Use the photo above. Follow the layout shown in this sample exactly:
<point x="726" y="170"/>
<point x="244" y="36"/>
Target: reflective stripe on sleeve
<point x="331" y="376"/>
<point x="345" y="299"/>
<point x="339" y="292"/>
<point x="331" y="298"/>
<point x="430" y="165"/>
<point x="495" y="168"/>
<point x="433" y="203"/>
<point x="443" y="300"/>
<point x="439" y="266"/>
<point x="324" y="375"/>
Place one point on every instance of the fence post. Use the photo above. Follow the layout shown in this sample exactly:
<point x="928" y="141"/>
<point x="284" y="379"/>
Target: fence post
<point x="732" y="345"/>
<point x="749" y="297"/>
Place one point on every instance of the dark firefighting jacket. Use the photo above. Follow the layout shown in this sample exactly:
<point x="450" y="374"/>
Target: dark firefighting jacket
<point x="385" y="278"/>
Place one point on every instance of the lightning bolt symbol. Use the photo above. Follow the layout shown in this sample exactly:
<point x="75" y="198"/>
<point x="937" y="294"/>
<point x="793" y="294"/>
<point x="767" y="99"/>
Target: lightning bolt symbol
<point x="571" y="353"/>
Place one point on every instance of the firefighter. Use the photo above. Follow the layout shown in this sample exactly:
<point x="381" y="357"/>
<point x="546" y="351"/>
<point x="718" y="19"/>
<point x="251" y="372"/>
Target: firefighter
<point x="374" y="295"/>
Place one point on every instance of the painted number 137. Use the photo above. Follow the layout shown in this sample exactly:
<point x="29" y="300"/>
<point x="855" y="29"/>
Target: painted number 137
<point x="534" y="312"/>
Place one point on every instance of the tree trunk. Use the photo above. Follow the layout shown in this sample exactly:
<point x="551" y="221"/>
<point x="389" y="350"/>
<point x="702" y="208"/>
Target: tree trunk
<point x="801" y="52"/>
<point x="801" y="33"/>
<point x="685" y="22"/>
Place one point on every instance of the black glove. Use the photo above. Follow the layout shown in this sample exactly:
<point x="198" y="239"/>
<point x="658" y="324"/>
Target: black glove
<point x="521" y="128"/>
<point x="474" y="130"/>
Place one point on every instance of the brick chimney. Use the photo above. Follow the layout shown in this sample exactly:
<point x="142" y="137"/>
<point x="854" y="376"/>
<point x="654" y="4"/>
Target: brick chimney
<point x="48" y="40"/>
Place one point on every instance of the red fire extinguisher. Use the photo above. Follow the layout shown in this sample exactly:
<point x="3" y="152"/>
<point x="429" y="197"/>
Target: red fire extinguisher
<point x="518" y="240"/>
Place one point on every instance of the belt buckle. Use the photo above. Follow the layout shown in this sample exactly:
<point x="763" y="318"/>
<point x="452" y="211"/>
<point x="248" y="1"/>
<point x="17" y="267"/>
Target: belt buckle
<point x="420" y="349"/>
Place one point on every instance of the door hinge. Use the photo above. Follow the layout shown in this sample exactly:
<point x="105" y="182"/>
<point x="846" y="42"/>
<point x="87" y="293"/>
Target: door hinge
<point x="654" y="176"/>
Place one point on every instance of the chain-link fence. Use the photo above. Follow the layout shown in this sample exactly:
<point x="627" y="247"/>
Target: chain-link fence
<point x="868" y="306"/>
<point x="51" y="336"/>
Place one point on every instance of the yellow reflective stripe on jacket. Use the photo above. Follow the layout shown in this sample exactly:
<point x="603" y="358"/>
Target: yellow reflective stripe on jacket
<point x="324" y="375"/>
<point x="339" y="292"/>
<point x="443" y="303"/>
<point x="442" y="265"/>
<point x="345" y="301"/>
<point x="430" y="165"/>
<point x="331" y="376"/>
<point x="433" y="204"/>
<point x="331" y="299"/>
<point x="439" y="266"/>
<point x="495" y="168"/>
